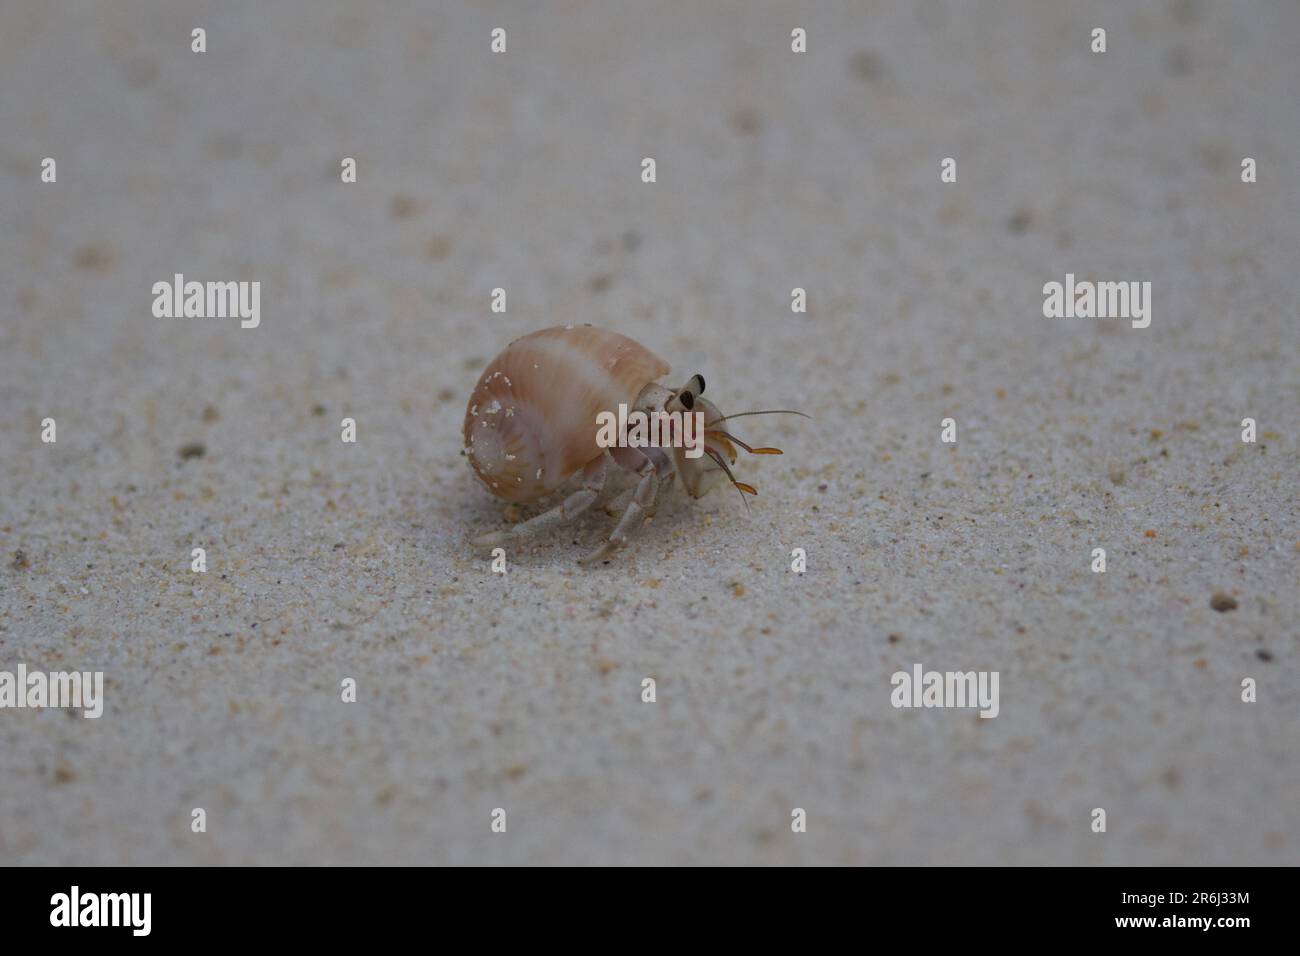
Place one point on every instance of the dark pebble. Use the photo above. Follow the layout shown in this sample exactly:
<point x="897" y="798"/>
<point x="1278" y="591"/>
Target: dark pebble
<point x="1223" y="602"/>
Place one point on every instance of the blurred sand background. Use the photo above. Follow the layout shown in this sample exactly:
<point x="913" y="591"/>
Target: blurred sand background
<point x="775" y="170"/>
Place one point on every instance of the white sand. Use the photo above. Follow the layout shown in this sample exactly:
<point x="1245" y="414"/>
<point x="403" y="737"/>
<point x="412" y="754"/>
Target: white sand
<point x="775" y="170"/>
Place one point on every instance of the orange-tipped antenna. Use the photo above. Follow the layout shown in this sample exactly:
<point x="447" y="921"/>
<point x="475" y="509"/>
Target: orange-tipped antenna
<point x="752" y="451"/>
<point x="740" y="485"/>
<point x="769" y="411"/>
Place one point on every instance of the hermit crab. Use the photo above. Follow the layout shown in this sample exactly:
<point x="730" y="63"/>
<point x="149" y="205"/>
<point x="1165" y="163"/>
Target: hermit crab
<point x="540" y="412"/>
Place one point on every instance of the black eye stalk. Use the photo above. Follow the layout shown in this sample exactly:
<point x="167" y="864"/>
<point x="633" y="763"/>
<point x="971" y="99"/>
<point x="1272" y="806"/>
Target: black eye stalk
<point x="691" y="391"/>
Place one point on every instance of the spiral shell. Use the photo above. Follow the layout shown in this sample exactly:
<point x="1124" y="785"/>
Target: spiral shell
<point x="531" y="419"/>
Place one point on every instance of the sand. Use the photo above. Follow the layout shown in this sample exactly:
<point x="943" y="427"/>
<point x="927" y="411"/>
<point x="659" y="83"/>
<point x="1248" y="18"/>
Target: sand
<point x="475" y="691"/>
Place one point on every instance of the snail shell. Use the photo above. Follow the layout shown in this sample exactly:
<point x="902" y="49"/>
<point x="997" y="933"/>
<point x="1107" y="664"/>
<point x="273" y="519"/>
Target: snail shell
<point x="531" y="419"/>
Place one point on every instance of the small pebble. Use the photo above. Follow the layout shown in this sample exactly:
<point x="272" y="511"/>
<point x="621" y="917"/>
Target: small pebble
<point x="866" y="66"/>
<point x="96" y="257"/>
<point x="403" y="207"/>
<point x="1223" y="602"/>
<point x="747" y="122"/>
<point x="1020" y="221"/>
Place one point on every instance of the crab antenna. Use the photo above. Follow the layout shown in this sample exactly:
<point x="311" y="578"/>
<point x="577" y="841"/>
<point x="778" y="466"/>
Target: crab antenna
<point x="740" y="485"/>
<point x="752" y="451"/>
<point x="769" y="411"/>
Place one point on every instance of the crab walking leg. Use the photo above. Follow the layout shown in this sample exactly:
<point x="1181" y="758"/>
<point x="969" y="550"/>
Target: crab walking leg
<point x="593" y="483"/>
<point x="642" y="503"/>
<point x="618" y="504"/>
<point x="614" y="507"/>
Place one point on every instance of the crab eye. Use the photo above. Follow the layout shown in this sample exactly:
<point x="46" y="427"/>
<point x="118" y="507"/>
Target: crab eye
<point x="687" y="400"/>
<point x="699" y="384"/>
